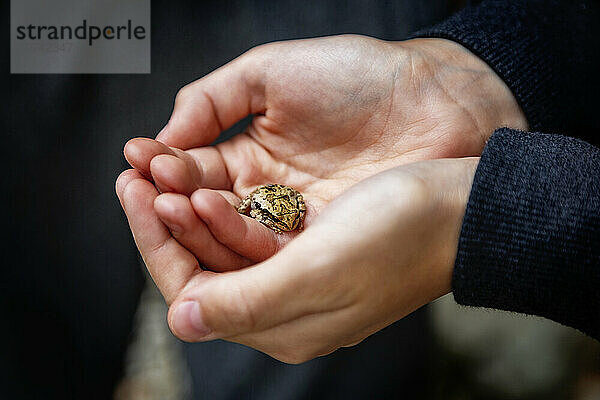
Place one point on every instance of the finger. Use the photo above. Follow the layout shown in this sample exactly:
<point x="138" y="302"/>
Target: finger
<point x="207" y="106"/>
<point x="231" y="197"/>
<point x="175" y="210"/>
<point x="190" y="170"/>
<point x="242" y="234"/>
<point x="170" y="265"/>
<point x="139" y="152"/>
<point x="205" y="166"/>
<point x="124" y="178"/>
<point x="171" y="174"/>
<point x="214" y="170"/>
<point x="289" y="285"/>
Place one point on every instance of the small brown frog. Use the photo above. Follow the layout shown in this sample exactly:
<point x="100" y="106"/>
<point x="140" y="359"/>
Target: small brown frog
<point x="279" y="207"/>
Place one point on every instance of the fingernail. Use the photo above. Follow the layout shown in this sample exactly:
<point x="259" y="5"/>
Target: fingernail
<point x="187" y="321"/>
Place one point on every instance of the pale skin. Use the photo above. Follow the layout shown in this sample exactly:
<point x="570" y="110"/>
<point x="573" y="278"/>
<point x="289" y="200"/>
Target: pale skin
<point x="331" y="112"/>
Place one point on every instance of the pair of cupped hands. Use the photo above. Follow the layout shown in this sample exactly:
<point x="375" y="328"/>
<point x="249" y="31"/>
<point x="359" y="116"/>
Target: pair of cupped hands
<point x="382" y="140"/>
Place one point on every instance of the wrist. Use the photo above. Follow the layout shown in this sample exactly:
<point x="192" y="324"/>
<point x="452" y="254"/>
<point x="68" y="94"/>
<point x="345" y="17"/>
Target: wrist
<point x="454" y="198"/>
<point x="448" y="186"/>
<point x="470" y="82"/>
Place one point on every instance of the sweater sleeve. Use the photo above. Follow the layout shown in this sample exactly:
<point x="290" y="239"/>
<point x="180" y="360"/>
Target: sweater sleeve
<point x="530" y="240"/>
<point x="546" y="51"/>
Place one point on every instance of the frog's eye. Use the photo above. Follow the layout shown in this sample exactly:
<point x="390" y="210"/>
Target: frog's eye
<point x="256" y="205"/>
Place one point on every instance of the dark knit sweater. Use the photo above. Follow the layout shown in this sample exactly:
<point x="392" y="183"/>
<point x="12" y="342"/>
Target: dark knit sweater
<point x="530" y="240"/>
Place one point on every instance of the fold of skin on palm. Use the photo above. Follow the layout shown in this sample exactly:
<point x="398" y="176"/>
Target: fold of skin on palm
<point x="329" y="113"/>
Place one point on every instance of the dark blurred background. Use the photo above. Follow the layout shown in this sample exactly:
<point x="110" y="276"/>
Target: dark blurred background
<point x="73" y="278"/>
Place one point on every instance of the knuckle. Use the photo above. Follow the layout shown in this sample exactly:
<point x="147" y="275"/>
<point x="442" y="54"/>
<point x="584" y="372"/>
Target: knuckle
<point x="183" y="94"/>
<point x="353" y="342"/>
<point x="302" y="354"/>
<point x="259" y="51"/>
<point x="291" y="357"/>
<point x="256" y="63"/>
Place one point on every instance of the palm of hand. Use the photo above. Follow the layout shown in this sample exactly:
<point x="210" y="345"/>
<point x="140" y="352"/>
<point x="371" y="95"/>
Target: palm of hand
<point x="331" y="119"/>
<point x="325" y="120"/>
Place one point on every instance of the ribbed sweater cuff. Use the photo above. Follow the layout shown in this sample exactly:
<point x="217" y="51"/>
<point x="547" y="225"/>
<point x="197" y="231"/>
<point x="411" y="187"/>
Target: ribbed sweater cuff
<point x="542" y="49"/>
<point x="530" y="240"/>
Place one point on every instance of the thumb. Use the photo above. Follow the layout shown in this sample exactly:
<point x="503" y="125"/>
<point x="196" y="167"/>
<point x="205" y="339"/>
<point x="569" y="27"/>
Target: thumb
<point x="212" y="104"/>
<point x="292" y="284"/>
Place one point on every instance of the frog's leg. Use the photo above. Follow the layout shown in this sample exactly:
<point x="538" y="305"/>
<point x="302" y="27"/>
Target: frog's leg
<point x="302" y="211"/>
<point x="273" y="226"/>
<point x="244" y="205"/>
<point x="257" y="215"/>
